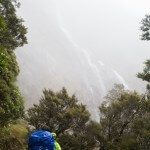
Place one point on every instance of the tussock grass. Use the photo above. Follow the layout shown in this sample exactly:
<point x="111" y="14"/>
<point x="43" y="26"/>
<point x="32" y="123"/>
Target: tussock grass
<point x="14" y="137"/>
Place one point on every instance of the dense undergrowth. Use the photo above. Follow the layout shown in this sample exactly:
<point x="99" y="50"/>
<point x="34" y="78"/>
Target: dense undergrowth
<point x="14" y="136"/>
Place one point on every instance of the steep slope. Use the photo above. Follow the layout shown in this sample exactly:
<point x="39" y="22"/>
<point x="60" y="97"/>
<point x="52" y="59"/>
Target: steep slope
<point x="53" y="59"/>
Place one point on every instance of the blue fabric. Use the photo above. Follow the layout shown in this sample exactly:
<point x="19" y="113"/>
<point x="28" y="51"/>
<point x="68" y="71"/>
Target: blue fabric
<point x="41" y="140"/>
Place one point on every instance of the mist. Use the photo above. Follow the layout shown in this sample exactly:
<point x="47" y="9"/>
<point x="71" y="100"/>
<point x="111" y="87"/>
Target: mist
<point x="83" y="45"/>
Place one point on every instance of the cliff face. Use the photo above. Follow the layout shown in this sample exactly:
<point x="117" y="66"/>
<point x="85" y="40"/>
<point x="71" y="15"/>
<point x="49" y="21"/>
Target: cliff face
<point x="57" y="56"/>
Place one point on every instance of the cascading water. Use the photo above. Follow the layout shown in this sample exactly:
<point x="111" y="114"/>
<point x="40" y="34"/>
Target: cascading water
<point x="53" y="59"/>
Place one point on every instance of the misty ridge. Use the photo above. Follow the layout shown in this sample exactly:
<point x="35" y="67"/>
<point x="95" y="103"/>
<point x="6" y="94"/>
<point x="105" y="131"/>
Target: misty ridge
<point x="69" y="48"/>
<point x="80" y="46"/>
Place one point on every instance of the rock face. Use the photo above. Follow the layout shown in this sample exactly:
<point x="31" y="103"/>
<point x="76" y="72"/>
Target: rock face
<point x="53" y="59"/>
<point x="67" y="66"/>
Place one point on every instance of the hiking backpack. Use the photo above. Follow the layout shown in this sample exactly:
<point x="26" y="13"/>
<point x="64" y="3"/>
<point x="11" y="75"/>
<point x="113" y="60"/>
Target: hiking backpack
<point x="41" y="140"/>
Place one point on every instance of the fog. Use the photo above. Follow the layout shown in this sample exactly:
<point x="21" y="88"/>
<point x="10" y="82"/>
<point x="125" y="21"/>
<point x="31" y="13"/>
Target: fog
<point x="84" y="45"/>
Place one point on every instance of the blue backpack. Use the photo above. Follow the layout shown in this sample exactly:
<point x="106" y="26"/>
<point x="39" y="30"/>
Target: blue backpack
<point x="41" y="140"/>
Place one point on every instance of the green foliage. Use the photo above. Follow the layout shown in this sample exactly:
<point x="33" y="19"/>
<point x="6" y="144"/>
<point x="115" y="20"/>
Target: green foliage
<point x="58" y="111"/>
<point x="145" y="75"/>
<point x="12" y="35"/>
<point x="8" y="65"/>
<point x="145" y="28"/>
<point x="11" y="103"/>
<point x="115" y="93"/>
<point x="121" y="121"/>
<point x="80" y="141"/>
<point x="2" y="25"/>
<point x="11" y="106"/>
<point x="85" y="139"/>
<point x="62" y="114"/>
<point x="12" y="31"/>
<point x="124" y="120"/>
